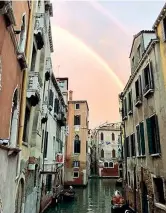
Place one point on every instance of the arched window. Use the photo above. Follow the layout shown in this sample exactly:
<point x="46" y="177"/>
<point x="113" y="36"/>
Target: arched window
<point x="113" y="136"/>
<point x="77" y="145"/>
<point x="113" y="153"/>
<point x="14" y="119"/>
<point x="106" y="164"/>
<point x="111" y="164"/>
<point x="101" y="136"/>
<point x="22" y="41"/>
<point x="102" y="153"/>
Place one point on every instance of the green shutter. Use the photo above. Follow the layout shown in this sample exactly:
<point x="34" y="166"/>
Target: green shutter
<point x="142" y="138"/>
<point x="149" y="132"/>
<point x="138" y="140"/>
<point x="157" y="134"/>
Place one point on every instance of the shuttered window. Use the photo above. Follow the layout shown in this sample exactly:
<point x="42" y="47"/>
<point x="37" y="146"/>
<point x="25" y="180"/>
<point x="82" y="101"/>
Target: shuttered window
<point x="51" y="98"/>
<point x="164" y="29"/>
<point x="148" y="77"/>
<point x="127" y="147"/>
<point x="77" y="120"/>
<point x="130" y="102"/>
<point x="153" y="135"/>
<point x="56" y="106"/>
<point x="132" y="140"/>
<point x="45" y="145"/>
<point x="140" y="139"/>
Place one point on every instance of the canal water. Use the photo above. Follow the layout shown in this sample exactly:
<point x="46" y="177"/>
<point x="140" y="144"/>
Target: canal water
<point x="95" y="198"/>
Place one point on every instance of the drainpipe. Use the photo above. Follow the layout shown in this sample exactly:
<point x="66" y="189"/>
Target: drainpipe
<point x="25" y="77"/>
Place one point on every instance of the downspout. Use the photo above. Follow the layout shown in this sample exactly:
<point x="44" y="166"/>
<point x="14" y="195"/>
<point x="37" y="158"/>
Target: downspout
<point x="25" y="77"/>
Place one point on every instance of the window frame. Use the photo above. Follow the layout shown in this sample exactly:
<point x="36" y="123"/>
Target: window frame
<point x="77" y="173"/>
<point x="76" y="106"/>
<point x="76" y="121"/>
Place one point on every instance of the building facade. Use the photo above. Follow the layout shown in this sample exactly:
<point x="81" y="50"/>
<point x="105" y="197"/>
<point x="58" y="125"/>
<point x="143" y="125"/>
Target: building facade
<point x="144" y="124"/>
<point x="14" y="25"/>
<point x="76" y="168"/>
<point x="109" y="150"/>
<point x="54" y="143"/>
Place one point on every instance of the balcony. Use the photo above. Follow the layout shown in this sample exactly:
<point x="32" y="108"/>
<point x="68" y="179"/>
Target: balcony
<point x="39" y="30"/>
<point x="7" y="10"/>
<point x="61" y="118"/>
<point x="33" y="91"/>
<point x="138" y="101"/>
<point x="44" y="112"/>
<point x="148" y="90"/>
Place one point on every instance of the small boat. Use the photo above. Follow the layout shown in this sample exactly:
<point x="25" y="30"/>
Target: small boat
<point x="119" y="182"/>
<point x="69" y="195"/>
<point x="118" y="203"/>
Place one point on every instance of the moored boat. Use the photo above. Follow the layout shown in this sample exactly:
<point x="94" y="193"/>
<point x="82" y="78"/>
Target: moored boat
<point x="119" y="182"/>
<point x="118" y="203"/>
<point x="69" y="195"/>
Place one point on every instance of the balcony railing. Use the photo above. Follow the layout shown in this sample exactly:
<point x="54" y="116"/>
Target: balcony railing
<point x="148" y="90"/>
<point x="138" y="101"/>
<point x="33" y="90"/>
<point x="61" y="118"/>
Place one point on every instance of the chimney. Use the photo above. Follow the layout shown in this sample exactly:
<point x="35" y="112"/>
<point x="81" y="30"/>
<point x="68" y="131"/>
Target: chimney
<point x="70" y="95"/>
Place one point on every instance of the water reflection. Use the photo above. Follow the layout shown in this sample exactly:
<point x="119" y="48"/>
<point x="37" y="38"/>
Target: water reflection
<point x="96" y="198"/>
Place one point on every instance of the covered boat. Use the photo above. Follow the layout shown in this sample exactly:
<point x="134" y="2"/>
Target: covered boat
<point x="69" y="195"/>
<point x="118" y="203"/>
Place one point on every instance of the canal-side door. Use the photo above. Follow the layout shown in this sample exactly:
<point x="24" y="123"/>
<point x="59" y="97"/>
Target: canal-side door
<point x="144" y="198"/>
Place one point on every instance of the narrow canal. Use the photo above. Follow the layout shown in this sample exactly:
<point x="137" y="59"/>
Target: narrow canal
<point x="95" y="198"/>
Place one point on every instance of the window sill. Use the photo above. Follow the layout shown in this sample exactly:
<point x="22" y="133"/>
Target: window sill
<point x="25" y="144"/>
<point x="130" y="112"/>
<point x="11" y="150"/>
<point x="138" y="103"/>
<point x="160" y="206"/>
<point x="156" y="155"/>
<point x="141" y="156"/>
<point x="148" y="93"/>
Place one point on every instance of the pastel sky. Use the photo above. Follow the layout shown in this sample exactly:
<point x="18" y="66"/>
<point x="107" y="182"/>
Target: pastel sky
<point x="92" y="41"/>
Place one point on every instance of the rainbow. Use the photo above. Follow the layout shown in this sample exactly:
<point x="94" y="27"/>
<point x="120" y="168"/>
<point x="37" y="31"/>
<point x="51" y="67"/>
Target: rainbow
<point x="64" y="33"/>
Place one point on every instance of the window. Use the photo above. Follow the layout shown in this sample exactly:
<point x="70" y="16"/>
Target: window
<point x="45" y="145"/>
<point x="127" y="147"/>
<point x="26" y="125"/>
<point x="159" y="190"/>
<point x="77" y="145"/>
<point x="106" y="164"/>
<point x="138" y="90"/>
<point x="51" y="98"/>
<point x="113" y="153"/>
<point x="130" y="104"/>
<point x="35" y="175"/>
<point x="132" y="140"/>
<point x="129" y="181"/>
<point x="113" y="136"/>
<point x="153" y="135"/>
<point x="77" y="106"/>
<point x="140" y="139"/>
<point x="48" y="183"/>
<point x="77" y="120"/>
<point x="56" y="106"/>
<point x="76" y="164"/>
<point x="124" y="109"/>
<point x="102" y="153"/>
<point x="101" y="136"/>
<point x="22" y="41"/>
<point x="164" y="29"/>
<point x="33" y="60"/>
<point x="148" y="79"/>
<point x="75" y="174"/>
<point x="133" y="61"/>
<point x="111" y="165"/>
<point x="139" y="52"/>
